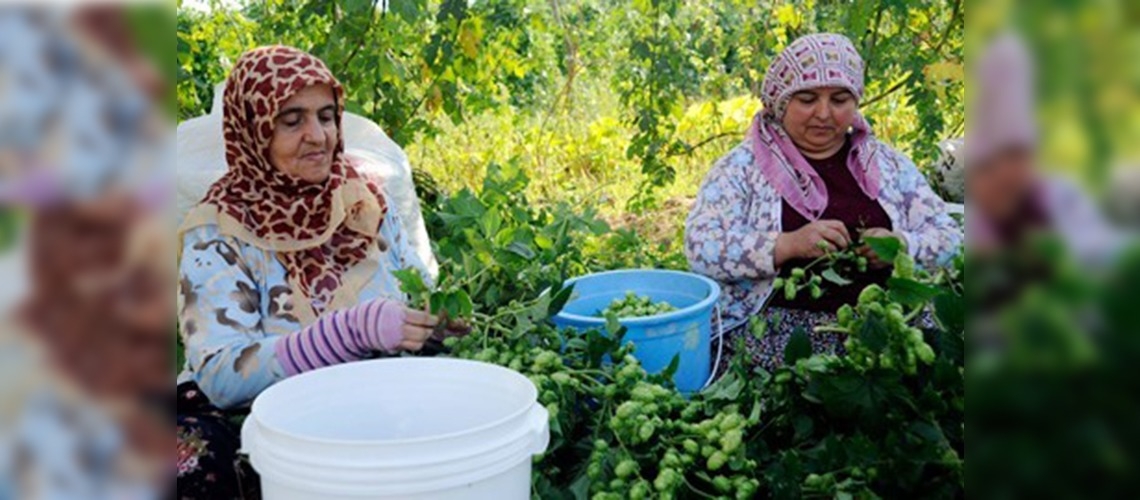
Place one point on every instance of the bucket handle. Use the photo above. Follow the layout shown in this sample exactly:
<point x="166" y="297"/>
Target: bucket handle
<point x="719" y="338"/>
<point x="248" y="436"/>
<point x="540" y="427"/>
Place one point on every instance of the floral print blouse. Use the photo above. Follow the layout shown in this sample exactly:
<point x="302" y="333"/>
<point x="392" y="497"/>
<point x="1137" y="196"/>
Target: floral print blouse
<point x="730" y="234"/>
<point x="235" y="303"/>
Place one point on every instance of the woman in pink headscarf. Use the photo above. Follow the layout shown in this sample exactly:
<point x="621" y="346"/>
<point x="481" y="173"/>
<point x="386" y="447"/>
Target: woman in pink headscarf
<point x="810" y="177"/>
<point x="1009" y="198"/>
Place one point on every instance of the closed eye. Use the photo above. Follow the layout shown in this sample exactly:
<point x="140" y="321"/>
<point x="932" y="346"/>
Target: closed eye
<point x="290" y="118"/>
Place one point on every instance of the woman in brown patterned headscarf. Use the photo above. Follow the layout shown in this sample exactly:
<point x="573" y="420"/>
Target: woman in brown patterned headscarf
<point x="321" y="217"/>
<point x="286" y="264"/>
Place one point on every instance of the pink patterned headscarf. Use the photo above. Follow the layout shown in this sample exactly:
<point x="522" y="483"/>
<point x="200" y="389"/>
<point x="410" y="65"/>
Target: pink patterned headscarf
<point x="813" y="61"/>
<point x="1000" y="116"/>
<point x="1001" y="109"/>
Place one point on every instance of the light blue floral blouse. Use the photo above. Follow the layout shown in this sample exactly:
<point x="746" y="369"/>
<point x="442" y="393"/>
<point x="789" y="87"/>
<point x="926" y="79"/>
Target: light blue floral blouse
<point x="730" y="234"/>
<point x="234" y="304"/>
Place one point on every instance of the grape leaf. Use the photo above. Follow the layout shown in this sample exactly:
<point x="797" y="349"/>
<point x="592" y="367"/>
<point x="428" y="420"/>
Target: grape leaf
<point x="412" y="283"/>
<point x="799" y="347"/>
<point x="831" y="276"/>
<point x="887" y="248"/>
<point x="910" y="292"/>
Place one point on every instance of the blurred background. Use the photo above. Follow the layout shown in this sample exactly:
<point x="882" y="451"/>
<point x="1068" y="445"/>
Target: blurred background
<point x="87" y="107"/>
<point x="1087" y="57"/>
<point x="1053" y="327"/>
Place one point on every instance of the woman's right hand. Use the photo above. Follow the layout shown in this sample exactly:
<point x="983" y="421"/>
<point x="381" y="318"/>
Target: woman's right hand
<point x="804" y="243"/>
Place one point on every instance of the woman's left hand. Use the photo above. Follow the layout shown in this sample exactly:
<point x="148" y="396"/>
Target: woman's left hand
<point x="873" y="259"/>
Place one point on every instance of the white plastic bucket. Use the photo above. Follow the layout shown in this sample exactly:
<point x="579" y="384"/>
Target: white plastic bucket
<point x="414" y="428"/>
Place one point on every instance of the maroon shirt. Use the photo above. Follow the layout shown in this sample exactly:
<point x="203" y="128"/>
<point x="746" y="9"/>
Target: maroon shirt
<point x="1030" y="216"/>
<point x="846" y="202"/>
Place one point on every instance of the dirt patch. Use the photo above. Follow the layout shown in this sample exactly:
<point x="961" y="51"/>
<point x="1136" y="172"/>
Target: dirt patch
<point x="662" y="225"/>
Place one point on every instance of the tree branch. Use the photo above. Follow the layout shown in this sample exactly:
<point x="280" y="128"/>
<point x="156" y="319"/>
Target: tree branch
<point x="689" y="149"/>
<point x="874" y="36"/>
<point x="363" y="37"/>
<point x="894" y="88"/>
<point x="949" y="27"/>
<point x="572" y="69"/>
<point x="427" y="91"/>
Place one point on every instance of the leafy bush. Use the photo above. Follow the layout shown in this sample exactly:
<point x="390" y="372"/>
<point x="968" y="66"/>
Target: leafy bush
<point x="886" y="421"/>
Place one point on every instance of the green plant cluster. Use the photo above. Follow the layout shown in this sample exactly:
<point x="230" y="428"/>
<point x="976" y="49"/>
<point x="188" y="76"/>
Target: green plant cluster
<point x="632" y="305"/>
<point x="887" y="421"/>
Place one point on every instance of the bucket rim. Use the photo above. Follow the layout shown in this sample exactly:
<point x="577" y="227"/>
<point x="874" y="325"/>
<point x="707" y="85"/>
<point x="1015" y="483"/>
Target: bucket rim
<point x="530" y="389"/>
<point x="707" y="302"/>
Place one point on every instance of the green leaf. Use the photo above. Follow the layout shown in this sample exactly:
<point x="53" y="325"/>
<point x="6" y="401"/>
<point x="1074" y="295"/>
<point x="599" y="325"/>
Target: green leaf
<point x="910" y="292"/>
<point x="464" y="305"/>
<point x="834" y="277"/>
<point x="521" y="249"/>
<point x="408" y="10"/>
<point x="452" y="304"/>
<point x="491" y="221"/>
<point x="358" y="7"/>
<point x="612" y="324"/>
<point x="576" y="344"/>
<point x="728" y="388"/>
<point x="544" y="242"/>
<point x="803" y="426"/>
<point x="580" y="488"/>
<point x="873" y="334"/>
<point x="951" y="346"/>
<point x="437" y="303"/>
<point x="758" y="326"/>
<point x="411" y="282"/>
<point x="561" y="297"/>
<point x="886" y="247"/>
<point x="950" y="309"/>
<point x="799" y="347"/>
<point x="851" y="394"/>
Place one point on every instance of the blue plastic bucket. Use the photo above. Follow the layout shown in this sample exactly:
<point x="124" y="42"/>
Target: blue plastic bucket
<point x="686" y="331"/>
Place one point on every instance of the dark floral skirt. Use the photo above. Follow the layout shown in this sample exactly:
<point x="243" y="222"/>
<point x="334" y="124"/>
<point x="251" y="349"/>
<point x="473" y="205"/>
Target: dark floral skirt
<point x="209" y="466"/>
<point x="768" y="351"/>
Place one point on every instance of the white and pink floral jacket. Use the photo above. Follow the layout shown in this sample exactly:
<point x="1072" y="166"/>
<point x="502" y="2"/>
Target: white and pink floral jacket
<point x="730" y="234"/>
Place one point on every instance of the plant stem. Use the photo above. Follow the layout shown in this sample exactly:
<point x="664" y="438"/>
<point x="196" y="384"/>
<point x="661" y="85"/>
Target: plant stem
<point x="913" y="314"/>
<point x="694" y="488"/>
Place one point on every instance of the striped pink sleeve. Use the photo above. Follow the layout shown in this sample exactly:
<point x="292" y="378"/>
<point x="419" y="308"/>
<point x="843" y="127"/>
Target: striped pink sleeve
<point x="342" y="336"/>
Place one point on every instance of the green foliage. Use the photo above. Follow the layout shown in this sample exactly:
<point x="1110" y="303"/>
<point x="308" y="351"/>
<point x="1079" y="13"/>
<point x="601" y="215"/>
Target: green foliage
<point x="886" y="421"/>
<point x="539" y="70"/>
<point x="399" y="68"/>
<point x="1052" y="352"/>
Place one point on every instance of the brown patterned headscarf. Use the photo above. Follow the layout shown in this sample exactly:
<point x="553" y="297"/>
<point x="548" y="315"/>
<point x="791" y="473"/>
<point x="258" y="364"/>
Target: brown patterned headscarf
<point x="325" y="234"/>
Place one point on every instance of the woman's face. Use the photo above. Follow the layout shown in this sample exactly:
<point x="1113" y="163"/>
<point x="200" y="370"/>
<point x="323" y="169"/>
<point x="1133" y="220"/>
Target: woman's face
<point x="817" y="120"/>
<point x="997" y="186"/>
<point x="305" y="135"/>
